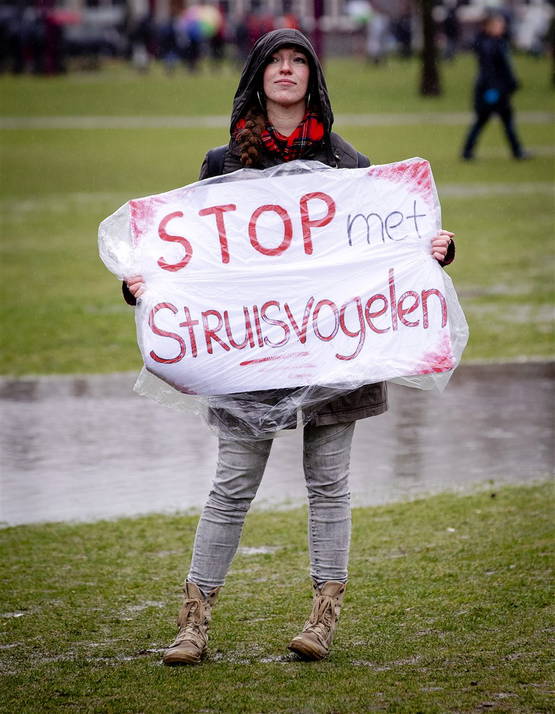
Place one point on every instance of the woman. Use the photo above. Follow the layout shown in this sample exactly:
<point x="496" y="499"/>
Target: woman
<point x="494" y="86"/>
<point x="281" y="112"/>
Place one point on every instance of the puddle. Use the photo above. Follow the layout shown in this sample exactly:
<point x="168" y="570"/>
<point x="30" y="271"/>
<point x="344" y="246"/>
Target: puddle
<point x="144" y="606"/>
<point x="84" y="448"/>
<point x="412" y="661"/>
<point x="280" y="659"/>
<point x="229" y="657"/>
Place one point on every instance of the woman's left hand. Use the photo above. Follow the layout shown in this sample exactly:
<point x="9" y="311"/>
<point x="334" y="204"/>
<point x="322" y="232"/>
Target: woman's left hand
<point x="440" y="245"/>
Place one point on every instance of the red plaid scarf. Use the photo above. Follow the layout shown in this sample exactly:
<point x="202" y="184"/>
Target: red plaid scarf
<point x="310" y="131"/>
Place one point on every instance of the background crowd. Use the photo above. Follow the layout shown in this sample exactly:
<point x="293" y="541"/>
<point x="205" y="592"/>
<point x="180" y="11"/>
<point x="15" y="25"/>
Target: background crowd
<point x="54" y="36"/>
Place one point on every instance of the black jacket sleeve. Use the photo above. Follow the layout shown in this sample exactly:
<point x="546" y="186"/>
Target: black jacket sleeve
<point x="127" y="296"/>
<point x="450" y="256"/>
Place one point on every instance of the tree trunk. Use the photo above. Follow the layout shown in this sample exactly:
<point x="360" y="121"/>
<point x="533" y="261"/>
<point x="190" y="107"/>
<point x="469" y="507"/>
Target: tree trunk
<point x="318" y="35"/>
<point x="430" y="84"/>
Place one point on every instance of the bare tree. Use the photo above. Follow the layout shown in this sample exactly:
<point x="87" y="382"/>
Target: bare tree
<point x="430" y="82"/>
<point x="317" y="35"/>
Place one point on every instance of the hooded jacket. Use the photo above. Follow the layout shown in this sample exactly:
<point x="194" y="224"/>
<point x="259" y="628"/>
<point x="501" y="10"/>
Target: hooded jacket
<point x="370" y="399"/>
<point x="333" y="150"/>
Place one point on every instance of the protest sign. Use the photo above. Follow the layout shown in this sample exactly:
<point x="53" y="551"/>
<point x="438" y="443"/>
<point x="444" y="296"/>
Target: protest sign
<point x="295" y="276"/>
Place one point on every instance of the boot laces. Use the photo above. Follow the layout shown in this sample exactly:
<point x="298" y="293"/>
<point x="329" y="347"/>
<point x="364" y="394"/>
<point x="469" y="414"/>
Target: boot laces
<point x="322" y="616"/>
<point x="191" y="621"/>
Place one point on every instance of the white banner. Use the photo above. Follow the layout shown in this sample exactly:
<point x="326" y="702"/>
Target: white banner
<point x="311" y="276"/>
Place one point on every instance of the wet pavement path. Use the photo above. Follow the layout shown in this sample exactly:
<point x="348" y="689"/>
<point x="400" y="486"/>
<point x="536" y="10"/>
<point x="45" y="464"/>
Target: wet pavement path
<point x="221" y="121"/>
<point x="83" y="448"/>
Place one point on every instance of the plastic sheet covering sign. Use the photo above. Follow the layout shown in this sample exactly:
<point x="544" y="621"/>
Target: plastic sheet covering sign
<point x="296" y="275"/>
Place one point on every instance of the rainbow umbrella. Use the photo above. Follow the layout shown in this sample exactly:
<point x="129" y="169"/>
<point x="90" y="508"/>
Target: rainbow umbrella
<point x="360" y="11"/>
<point x="200" y="22"/>
<point x="65" y="17"/>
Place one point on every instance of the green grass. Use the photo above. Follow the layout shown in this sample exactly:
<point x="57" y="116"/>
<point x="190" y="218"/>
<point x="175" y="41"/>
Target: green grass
<point x="354" y="86"/>
<point x="448" y="609"/>
<point x="61" y="310"/>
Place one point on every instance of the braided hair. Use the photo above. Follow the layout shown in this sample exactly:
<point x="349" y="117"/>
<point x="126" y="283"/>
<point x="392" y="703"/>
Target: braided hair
<point x="249" y="137"/>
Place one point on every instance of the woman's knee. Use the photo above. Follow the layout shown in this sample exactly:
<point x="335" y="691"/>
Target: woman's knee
<point x="220" y="508"/>
<point x="332" y="494"/>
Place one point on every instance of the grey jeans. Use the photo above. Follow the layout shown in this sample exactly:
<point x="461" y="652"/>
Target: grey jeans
<point x="326" y="455"/>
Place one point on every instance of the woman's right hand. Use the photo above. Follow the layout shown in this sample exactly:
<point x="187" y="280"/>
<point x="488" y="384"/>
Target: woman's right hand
<point x="136" y="285"/>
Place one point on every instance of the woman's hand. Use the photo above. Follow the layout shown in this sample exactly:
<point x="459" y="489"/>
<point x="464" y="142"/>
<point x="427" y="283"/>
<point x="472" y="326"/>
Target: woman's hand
<point x="440" y="245"/>
<point x="136" y="285"/>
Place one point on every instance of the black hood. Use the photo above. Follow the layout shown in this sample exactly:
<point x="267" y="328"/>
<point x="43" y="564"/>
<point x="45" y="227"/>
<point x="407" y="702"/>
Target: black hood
<point x="251" y="77"/>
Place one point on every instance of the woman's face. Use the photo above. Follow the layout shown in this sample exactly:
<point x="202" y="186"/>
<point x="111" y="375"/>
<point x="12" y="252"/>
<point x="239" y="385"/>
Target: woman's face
<point x="286" y="77"/>
<point x="496" y="27"/>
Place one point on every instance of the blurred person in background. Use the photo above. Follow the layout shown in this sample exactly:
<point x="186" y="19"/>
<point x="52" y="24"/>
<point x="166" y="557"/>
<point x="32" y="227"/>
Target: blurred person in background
<point x="258" y="22"/>
<point x="250" y="28"/>
<point x="16" y="37"/>
<point x="281" y="112"/>
<point x="141" y="33"/>
<point x="451" y="31"/>
<point x="167" y="45"/>
<point x="402" y="31"/>
<point x="377" y="37"/>
<point x="32" y="40"/>
<point x="217" y="41"/>
<point x="494" y="86"/>
<point x="188" y="41"/>
<point x="289" y="19"/>
<point x="550" y="42"/>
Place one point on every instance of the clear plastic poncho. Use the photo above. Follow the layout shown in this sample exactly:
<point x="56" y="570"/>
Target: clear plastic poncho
<point x="269" y="293"/>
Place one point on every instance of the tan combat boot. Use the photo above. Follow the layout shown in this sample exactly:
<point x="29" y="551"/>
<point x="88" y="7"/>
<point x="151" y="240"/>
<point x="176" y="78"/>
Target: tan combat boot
<point x="194" y="620"/>
<point x="315" y="640"/>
